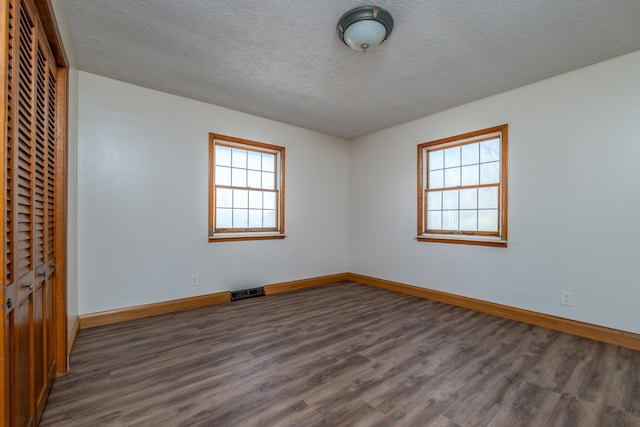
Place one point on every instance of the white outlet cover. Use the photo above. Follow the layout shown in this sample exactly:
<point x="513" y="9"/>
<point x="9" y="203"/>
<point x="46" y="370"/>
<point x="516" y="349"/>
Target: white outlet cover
<point x="566" y="298"/>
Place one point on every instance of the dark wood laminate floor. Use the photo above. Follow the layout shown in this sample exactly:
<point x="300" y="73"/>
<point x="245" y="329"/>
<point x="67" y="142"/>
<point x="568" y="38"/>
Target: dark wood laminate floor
<point x="345" y="354"/>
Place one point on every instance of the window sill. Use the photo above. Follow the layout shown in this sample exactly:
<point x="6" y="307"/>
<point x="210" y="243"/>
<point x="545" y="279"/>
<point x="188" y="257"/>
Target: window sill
<point x="464" y="240"/>
<point x="237" y="237"/>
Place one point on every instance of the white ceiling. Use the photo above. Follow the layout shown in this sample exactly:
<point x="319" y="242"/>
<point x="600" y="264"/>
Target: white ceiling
<point x="282" y="59"/>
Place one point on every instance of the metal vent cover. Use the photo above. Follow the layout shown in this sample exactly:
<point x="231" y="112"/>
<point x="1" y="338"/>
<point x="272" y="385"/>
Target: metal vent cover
<point x="247" y="293"/>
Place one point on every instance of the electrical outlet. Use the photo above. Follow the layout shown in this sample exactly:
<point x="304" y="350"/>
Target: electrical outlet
<point x="566" y="298"/>
<point x="194" y="280"/>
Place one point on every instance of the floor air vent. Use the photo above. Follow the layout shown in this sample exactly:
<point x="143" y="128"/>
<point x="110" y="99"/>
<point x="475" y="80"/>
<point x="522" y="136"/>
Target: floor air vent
<point x="247" y="293"/>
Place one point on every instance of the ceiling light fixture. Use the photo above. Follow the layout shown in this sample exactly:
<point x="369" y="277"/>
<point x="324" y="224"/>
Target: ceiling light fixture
<point x="365" y="27"/>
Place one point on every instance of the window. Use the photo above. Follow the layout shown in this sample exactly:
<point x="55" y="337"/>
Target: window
<point x="246" y="189"/>
<point x="462" y="188"/>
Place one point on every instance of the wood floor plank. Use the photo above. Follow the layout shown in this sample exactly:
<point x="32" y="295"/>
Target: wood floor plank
<point x="526" y="405"/>
<point x="342" y="355"/>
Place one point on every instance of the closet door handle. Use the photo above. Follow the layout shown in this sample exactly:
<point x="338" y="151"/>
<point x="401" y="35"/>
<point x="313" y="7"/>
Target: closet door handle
<point x="9" y="303"/>
<point x="43" y="274"/>
<point x="28" y="285"/>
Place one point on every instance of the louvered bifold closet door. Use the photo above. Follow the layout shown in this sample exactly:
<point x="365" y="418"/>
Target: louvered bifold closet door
<point x="39" y="378"/>
<point x="42" y="293"/>
<point x="32" y="183"/>
<point x="23" y="391"/>
<point x="44" y="221"/>
<point x="9" y="150"/>
<point x="10" y="288"/>
<point x="23" y="168"/>
<point x="29" y="277"/>
<point x="50" y="217"/>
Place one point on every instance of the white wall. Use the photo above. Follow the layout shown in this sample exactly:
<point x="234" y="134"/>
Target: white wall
<point x="574" y="199"/>
<point x="143" y="194"/>
<point x="574" y="189"/>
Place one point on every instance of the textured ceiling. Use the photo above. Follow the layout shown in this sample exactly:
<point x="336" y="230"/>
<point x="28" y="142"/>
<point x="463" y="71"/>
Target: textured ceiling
<point x="282" y="59"/>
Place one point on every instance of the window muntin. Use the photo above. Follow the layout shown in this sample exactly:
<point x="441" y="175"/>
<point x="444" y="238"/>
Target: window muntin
<point x="246" y="189"/>
<point x="462" y="187"/>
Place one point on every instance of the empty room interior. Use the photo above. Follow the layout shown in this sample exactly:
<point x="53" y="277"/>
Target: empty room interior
<point x="396" y="213"/>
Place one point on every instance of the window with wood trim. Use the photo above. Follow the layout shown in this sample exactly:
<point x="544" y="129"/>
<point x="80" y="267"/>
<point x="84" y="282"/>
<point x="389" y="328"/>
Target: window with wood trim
<point x="246" y="189"/>
<point x="462" y="188"/>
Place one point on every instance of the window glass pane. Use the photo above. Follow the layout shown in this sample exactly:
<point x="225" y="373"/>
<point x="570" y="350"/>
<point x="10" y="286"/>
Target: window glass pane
<point x="488" y="220"/>
<point x="434" y="220"/>
<point x="469" y="198"/>
<point x="254" y="160"/>
<point x="470" y="175"/>
<point x="450" y="220"/>
<point x="470" y="154"/>
<point x="255" y="218"/>
<point x="450" y="199"/>
<point x="224" y="198"/>
<point x="223" y="175"/>
<point x="452" y="177"/>
<point x="469" y="220"/>
<point x="436" y="160"/>
<point x="269" y="219"/>
<point x="223" y="218"/>
<point x="490" y="150"/>
<point x="239" y="177"/>
<point x="488" y="198"/>
<point x="238" y="158"/>
<point x="240" y="218"/>
<point x="269" y="200"/>
<point x="268" y="180"/>
<point x="240" y="199"/>
<point x="452" y="157"/>
<point x="434" y="200"/>
<point x="490" y="173"/>
<point x="436" y="179"/>
<point x="255" y="199"/>
<point x="253" y="179"/>
<point x="268" y="162"/>
<point x="223" y="156"/>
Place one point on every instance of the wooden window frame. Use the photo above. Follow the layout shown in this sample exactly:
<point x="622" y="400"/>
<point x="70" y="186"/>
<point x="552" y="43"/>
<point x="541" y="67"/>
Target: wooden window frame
<point x="480" y="238"/>
<point x="239" y="234"/>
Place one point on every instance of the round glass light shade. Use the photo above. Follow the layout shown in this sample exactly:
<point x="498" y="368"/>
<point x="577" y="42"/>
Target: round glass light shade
<point x="365" y="27"/>
<point x="365" y="34"/>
